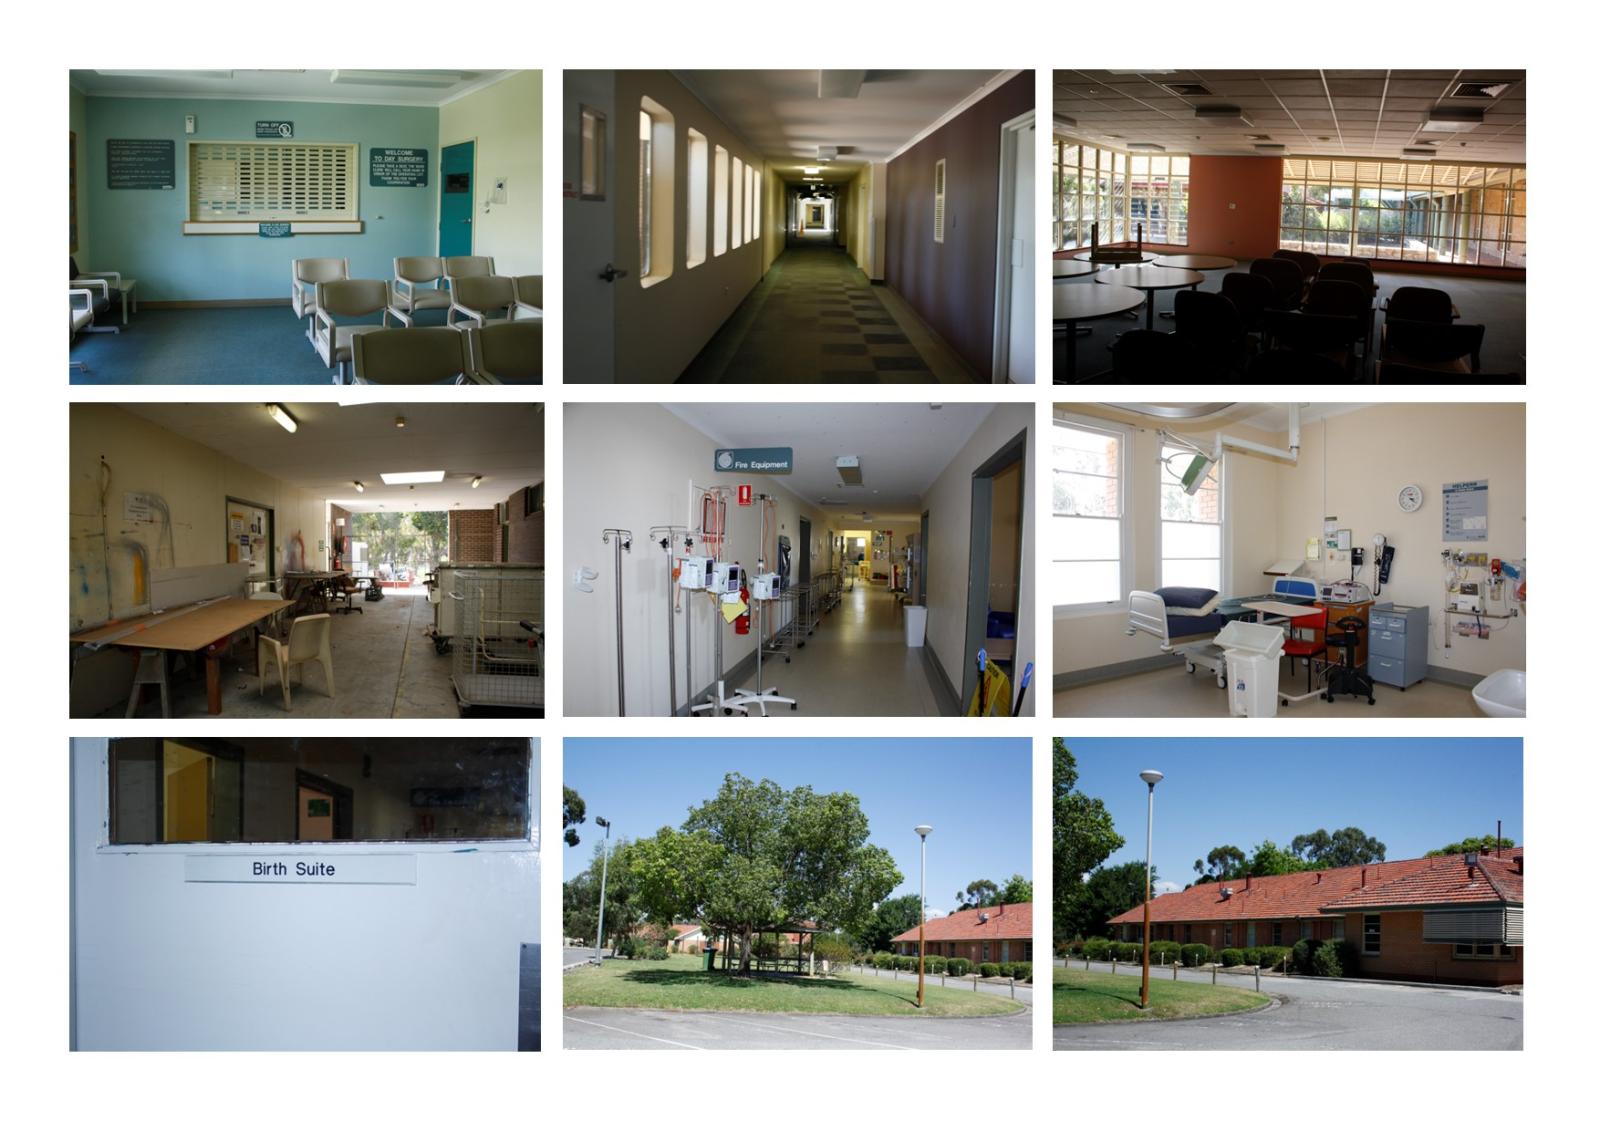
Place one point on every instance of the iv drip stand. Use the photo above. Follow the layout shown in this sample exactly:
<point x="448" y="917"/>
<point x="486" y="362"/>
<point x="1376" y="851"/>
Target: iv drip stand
<point x="664" y="537"/>
<point x="620" y="540"/>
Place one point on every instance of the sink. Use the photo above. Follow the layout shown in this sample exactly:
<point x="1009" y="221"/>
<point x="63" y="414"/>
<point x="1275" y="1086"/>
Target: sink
<point x="1503" y="695"/>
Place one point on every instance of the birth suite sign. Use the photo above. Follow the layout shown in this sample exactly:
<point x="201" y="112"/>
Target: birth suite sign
<point x="241" y="868"/>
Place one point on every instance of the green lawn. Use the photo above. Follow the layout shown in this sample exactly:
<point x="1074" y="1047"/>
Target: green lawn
<point x="680" y="983"/>
<point x="1086" y="996"/>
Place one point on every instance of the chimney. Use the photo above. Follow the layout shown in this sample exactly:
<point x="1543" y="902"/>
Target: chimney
<point x="1247" y="881"/>
<point x="1363" y="877"/>
<point x="1517" y="860"/>
<point x="1318" y="880"/>
<point x="1497" y="840"/>
<point x="1002" y="909"/>
<point x="1471" y="859"/>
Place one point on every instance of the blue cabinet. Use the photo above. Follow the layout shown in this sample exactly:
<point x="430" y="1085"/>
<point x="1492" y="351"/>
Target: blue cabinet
<point x="1397" y="643"/>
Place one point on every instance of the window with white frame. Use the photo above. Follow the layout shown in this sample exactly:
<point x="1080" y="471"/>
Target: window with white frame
<point x="258" y="181"/>
<point x="1191" y="525"/>
<point x="1089" y="559"/>
<point x="1096" y="185"/>
<point x="738" y="203"/>
<point x="719" y="206"/>
<point x="1482" y="950"/>
<point x="695" y="253"/>
<point x="1416" y="211"/>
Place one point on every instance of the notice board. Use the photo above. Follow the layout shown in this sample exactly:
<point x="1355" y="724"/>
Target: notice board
<point x="1466" y="511"/>
<point x="141" y="163"/>
<point x="398" y="168"/>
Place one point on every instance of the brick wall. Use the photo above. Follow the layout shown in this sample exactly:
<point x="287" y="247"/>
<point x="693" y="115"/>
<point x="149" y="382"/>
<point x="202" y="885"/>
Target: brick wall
<point x="1403" y="955"/>
<point x="525" y="533"/>
<point x="473" y="536"/>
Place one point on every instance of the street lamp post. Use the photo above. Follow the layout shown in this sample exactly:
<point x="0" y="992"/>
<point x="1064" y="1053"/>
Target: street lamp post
<point x="600" y="930"/>
<point x="922" y="908"/>
<point x="1149" y="777"/>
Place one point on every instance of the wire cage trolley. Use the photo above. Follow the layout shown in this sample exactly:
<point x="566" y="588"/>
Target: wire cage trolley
<point x="498" y="649"/>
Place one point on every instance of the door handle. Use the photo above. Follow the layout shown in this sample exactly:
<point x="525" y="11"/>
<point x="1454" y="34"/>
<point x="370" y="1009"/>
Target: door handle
<point x="612" y="274"/>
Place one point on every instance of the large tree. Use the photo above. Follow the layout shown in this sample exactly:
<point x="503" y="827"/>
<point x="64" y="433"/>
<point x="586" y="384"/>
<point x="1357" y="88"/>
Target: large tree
<point x="580" y="896"/>
<point x="1269" y="860"/>
<point x="891" y="917"/>
<point x="1338" y="849"/>
<point x="1017" y="889"/>
<point x="760" y="856"/>
<point x="1223" y="862"/>
<point x="572" y="813"/>
<point x="1107" y="893"/>
<point x="979" y="893"/>
<point x="1082" y="833"/>
<point x="1485" y="843"/>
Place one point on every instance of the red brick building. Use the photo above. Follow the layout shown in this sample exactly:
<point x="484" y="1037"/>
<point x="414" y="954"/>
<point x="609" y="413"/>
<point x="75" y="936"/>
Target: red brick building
<point x="1002" y="933"/>
<point x="1438" y="919"/>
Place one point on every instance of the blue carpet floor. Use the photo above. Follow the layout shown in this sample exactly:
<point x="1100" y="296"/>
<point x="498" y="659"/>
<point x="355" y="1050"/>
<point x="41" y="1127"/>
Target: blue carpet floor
<point x="258" y="345"/>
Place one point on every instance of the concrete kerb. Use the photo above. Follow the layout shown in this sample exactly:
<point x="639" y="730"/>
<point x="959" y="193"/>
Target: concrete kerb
<point x="1246" y="971"/>
<point x="1022" y="1009"/>
<point x="1273" y="1002"/>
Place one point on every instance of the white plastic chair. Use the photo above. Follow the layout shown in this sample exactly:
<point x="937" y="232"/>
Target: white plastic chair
<point x="310" y="639"/>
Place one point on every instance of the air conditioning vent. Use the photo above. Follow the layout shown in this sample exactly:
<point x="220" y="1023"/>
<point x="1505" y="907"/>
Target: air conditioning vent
<point x="938" y="201"/>
<point x="1491" y="88"/>
<point x="1222" y="116"/>
<point x="1187" y="89"/>
<point x="1453" y="119"/>
<point x="1419" y="151"/>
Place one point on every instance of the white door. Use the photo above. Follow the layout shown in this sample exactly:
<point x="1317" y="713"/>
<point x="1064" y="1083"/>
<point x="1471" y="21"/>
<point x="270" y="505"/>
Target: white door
<point x="228" y="943"/>
<point x="588" y="224"/>
<point x="1022" y="256"/>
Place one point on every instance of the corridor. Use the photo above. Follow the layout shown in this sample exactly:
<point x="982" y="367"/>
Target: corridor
<point x="816" y="316"/>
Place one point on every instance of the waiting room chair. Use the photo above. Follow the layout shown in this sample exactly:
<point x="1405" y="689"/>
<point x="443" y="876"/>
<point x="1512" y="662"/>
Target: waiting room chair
<point x="463" y="266"/>
<point x="417" y="287"/>
<point x="1398" y="373"/>
<point x="1308" y="263"/>
<point x="1288" y="283"/>
<point x="346" y="298"/>
<point x="79" y="317"/>
<point x="529" y="290"/>
<point x="1330" y="335"/>
<point x="1447" y="347"/>
<point x="1210" y="325"/>
<point x="1350" y="271"/>
<point x="508" y="352"/>
<point x="95" y="295"/>
<point x="310" y="641"/>
<point x="418" y="355"/>
<point x="481" y="299"/>
<point x="113" y="299"/>
<point x="1250" y="295"/>
<point x="1420" y="304"/>
<point x="304" y="276"/>
<point x="1344" y="299"/>
<point x="1285" y="366"/>
<point x="1152" y="355"/>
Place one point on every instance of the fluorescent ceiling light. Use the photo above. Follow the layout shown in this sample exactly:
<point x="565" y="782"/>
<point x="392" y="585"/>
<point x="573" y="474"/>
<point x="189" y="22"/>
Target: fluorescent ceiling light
<point x="400" y="478"/>
<point x="476" y="479"/>
<point x="281" y="415"/>
<point x="849" y="469"/>
<point x="812" y="169"/>
<point x="360" y="487"/>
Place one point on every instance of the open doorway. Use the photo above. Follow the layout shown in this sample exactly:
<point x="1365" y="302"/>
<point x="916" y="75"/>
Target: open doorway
<point x="994" y="577"/>
<point x="1014" y="254"/>
<point x="324" y="809"/>
<point x="398" y="549"/>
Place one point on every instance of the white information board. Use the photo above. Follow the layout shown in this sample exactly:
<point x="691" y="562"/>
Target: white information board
<point x="261" y="868"/>
<point x="1466" y="511"/>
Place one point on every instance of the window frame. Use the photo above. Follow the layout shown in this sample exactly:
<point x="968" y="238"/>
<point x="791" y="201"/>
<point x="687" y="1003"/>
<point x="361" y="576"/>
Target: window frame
<point x="656" y="217"/>
<point x="698" y="150"/>
<point x="1110" y="205"/>
<point x="346" y="221"/>
<point x="736" y="204"/>
<point x="1223" y="510"/>
<point x="1125" y="540"/>
<point x="721" y="163"/>
<point x="1371" y="935"/>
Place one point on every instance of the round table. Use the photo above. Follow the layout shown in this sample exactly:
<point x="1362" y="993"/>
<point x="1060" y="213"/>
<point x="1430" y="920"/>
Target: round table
<point x="1150" y="280"/>
<point x="1070" y="268"/>
<point x="1196" y="262"/>
<point x="1142" y="256"/>
<point x="1071" y="305"/>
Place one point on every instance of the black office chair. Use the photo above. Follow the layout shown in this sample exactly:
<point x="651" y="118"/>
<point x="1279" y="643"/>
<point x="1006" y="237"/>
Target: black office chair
<point x="1419" y="304"/>
<point x="1210" y="324"/>
<point x="1346" y="677"/>
<point x="1330" y="335"/>
<point x="1288" y="282"/>
<point x="1308" y="263"/>
<point x="1282" y="366"/>
<point x="1448" y="347"/>
<point x="1343" y="298"/>
<point x="1398" y="373"/>
<point x="1250" y="295"/>
<point x="1152" y="355"/>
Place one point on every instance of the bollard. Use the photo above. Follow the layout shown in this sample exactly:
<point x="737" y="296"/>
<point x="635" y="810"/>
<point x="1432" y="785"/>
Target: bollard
<point x="1013" y="989"/>
<point x="1174" y="971"/>
<point x="1085" y="963"/>
<point x="1113" y="964"/>
<point x="1258" y="979"/>
<point x="1213" y="975"/>
<point x="974" y="983"/>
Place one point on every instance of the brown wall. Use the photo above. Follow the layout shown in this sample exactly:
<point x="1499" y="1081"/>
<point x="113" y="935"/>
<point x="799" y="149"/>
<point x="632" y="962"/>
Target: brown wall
<point x="473" y="536"/>
<point x="525" y="534"/>
<point x="951" y="285"/>
<point x="1405" y="956"/>
<point x="973" y="951"/>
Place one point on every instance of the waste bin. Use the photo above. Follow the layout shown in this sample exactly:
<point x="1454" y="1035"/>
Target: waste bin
<point x="1252" y="651"/>
<point x="916" y="625"/>
<point x="711" y="958"/>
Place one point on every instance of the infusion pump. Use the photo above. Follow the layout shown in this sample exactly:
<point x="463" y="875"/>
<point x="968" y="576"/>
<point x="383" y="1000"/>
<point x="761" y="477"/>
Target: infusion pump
<point x="727" y="578"/>
<point x="695" y="572"/>
<point x="766" y="587"/>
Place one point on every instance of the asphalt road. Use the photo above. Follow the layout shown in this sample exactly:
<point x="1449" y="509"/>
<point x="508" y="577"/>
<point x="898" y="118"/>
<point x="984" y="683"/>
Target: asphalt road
<point x="1320" y="1015"/>
<point x="587" y="1027"/>
<point x="572" y="956"/>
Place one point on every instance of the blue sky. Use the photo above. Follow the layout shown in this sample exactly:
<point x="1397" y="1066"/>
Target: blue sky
<point x="975" y="794"/>
<point x="1412" y="794"/>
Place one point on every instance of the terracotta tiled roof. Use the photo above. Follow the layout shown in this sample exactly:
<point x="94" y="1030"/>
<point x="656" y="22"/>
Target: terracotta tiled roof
<point x="1299" y="895"/>
<point x="1446" y="881"/>
<point x="1005" y="921"/>
<point x="681" y="929"/>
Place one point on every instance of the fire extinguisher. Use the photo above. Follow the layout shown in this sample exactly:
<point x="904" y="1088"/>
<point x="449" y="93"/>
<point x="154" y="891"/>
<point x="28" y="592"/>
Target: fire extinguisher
<point x="741" y="624"/>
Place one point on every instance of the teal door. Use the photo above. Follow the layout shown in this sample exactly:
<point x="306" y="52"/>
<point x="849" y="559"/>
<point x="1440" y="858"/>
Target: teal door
<point x="455" y="199"/>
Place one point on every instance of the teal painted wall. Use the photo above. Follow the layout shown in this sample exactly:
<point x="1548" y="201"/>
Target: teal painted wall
<point x="139" y="231"/>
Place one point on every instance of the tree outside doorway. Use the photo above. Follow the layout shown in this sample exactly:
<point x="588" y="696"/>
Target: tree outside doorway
<point x="401" y="548"/>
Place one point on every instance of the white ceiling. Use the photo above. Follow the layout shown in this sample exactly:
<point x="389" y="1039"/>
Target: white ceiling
<point x="903" y="448"/>
<point x="1218" y="414"/>
<point x="782" y="116"/>
<point x="334" y="446"/>
<point x="368" y="87"/>
<point x="1324" y="113"/>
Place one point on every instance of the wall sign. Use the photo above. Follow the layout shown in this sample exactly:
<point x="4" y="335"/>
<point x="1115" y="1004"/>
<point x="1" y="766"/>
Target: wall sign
<point x="275" y="230"/>
<point x="1466" y="511"/>
<point x="275" y="129"/>
<point x="398" y="168"/>
<point x="141" y="163"/>
<point x="761" y="461"/>
<point x="253" y="868"/>
<point x="744" y="494"/>
<point x="138" y="506"/>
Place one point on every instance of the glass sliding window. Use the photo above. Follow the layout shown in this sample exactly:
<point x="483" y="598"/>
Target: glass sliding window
<point x="1191" y="526"/>
<point x="1086" y="524"/>
<point x="1120" y="192"/>
<point x="698" y="182"/>
<point x="313" y="790"/>
<point x="719" y="207"/>
<point x="1413" y="211"/>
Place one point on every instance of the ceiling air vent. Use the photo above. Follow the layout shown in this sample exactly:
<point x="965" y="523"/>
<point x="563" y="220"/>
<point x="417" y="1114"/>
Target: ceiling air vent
<point x="1453" y="119"/>
<point x="1187" y="89"/>
<point x="1270" y="147"/>
<point x="1221" y="116"/>
<point x="1490" y="88"/>
<point x="1419" y="151"/>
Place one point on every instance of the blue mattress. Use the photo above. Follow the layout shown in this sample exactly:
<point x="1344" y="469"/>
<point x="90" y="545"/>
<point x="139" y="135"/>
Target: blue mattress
<point x="1194" y="626"/>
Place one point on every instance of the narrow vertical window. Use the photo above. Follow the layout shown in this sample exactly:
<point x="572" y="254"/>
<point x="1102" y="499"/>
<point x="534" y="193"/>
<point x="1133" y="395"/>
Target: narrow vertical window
<point x="938" y="201"/>
<point x="755" y="215"/>
<point x="657" y="147"/>
<point x="749" y="203"/>
<point x="738" y="202"/>
<point x="645" y="193"/>
<point x="719" y="206"/>
<point x="697" y="199"/>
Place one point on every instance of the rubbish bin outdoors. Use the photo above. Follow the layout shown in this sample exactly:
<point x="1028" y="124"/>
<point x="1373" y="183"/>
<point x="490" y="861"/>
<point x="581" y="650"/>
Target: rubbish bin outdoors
<point x="1252" y="651"/>
<point x="711" y="958"/>
<point x="916" y="625"/>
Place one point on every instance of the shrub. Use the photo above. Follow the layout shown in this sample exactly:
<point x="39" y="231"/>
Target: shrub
<point x="989" y="969"/>
<point x="1195" y="954"/>
<point x="1164" y="952"/>
<point x="883" y="960"/>
<point x="1272" y="956"/>
<point x="1129" y="952"/>
<point x="935" y="964"/>
<point x="656" y="953"/>
<point x="1024" y="971"/>
<point x="1098" y="950"/>
<point x="1232" y="956"/>
<point x="1301" y="955"/>
<point x="832" y="948"/>
<point x="959" y="967"/>
<point x="905" y="962"/>
<point x="1008" y="969"/>
<point x="1325" y="962"/>
<point x="1252" y="956"/>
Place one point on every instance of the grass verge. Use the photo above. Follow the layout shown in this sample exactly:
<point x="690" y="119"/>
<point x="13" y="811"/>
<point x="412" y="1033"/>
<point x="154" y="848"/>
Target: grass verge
<point x="1084" y="996"/>
<point x="680" y="983"/>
